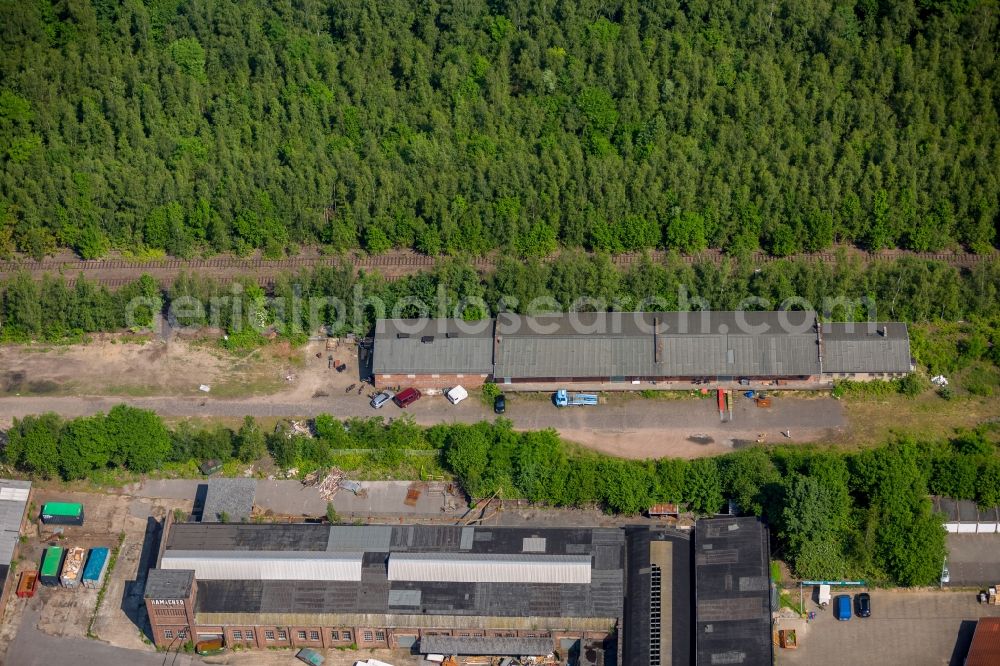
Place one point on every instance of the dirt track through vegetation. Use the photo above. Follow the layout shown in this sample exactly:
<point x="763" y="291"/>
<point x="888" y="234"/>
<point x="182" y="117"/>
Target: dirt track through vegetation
<point x="116" y="272"/>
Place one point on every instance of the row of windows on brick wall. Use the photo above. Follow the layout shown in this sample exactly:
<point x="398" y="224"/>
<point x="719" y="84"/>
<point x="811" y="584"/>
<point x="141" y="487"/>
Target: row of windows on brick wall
<point x="240" y="635"/>
<point x="169" y="633"/>
<point x="379" y="636"/>
<point x="336" y="635"/>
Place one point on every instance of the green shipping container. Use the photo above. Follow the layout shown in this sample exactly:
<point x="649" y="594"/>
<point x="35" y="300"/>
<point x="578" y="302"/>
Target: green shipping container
<point x="51" y="564"/>
<point x="62" y="513"/>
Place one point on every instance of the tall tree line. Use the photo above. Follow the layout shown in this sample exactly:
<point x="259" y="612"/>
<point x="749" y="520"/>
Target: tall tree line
<point x="191" y="126"/>
<point x="834" y="515"/>
<point x="910" y="290"/>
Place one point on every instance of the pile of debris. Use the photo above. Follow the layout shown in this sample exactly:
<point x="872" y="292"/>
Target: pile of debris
<point x="327" y="485"/>
<point x="292" y="428"/>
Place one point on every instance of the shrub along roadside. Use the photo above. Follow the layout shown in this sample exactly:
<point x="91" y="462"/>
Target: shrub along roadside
<point x="833" y="514"/>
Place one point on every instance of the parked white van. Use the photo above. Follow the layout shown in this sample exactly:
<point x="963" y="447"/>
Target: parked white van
<point x="456" y="395"/>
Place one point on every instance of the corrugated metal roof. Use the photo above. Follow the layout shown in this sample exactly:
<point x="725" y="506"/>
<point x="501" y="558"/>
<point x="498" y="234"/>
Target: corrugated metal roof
<point x="263" y="565"/>
<point x="624" y="344"/>
<point x="470" y="568"/>
<point x="414" y="346"/>
<point x="13" y="503"/>
<point x="985" y="647"/>
<point x="496" y="647"/>
<point x="869" y="347"/>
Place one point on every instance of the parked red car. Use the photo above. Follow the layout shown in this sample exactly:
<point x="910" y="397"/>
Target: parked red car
<point x="406" y="397"/>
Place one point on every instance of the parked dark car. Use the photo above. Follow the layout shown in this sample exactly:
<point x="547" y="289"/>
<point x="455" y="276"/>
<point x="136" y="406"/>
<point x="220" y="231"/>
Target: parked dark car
<point x="500" y="404"/>
<point x="863" y="605"/>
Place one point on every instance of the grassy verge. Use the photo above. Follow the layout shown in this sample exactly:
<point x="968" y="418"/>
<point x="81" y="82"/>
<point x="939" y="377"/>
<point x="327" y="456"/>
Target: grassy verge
<point x="928" y="416"/>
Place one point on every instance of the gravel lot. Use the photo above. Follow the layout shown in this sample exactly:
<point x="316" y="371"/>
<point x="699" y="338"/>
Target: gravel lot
<point x="631" y="427"/>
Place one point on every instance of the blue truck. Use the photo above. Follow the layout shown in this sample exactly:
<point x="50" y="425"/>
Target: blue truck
<point x="563" y="398"/>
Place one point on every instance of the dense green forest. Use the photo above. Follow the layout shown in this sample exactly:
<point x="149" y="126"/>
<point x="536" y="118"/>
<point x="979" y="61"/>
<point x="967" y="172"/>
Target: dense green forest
<point x="192" y="126"/>
<point x="862" y="514"/>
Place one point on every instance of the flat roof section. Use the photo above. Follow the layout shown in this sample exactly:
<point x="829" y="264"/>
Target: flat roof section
<point x="231" y="499"/>
<point x="494" y="647"/>
<point x="657" y="616"/>
<point x="732" y="592"/>
<point x="168" y="584"/>
<point x="556" y="556"/>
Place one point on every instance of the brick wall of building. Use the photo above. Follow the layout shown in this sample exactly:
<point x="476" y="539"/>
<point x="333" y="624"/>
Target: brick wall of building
<point x="265" y="636"/>
<point x="443" y="381"/>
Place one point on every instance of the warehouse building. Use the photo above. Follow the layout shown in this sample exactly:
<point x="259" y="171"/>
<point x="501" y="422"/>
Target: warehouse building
<point x="14" y="495"/>
<point x="636" y="347"/>
<point x="732" y="593"/>
<point x="432" y="353"/>
<point x="308" y="585"/>
<point x="657" y="620"/>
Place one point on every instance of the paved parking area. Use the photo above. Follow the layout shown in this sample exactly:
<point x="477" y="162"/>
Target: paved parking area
<point x="914" y="628"/>
<point x="974" y="559"/>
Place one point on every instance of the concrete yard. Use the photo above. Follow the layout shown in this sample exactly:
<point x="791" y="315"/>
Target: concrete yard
<point x="974" y="560"/>
<point x="66" y="615"/>
<point x="916" y="628"/>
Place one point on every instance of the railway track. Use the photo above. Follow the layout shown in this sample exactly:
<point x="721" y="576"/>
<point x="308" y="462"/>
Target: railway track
<point x="115" y="273"/>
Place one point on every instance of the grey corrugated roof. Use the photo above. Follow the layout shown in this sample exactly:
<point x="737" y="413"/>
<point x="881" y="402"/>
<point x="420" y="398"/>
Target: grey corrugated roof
<point x="623" y="344"/>
<point x="866" y="347"/>
<point x="168" y="584"/>
<point x="233" y="497"/>
<point x="11" y="516"/>
<point x="498" y="647"/>
<point x="428" y="346"/>
<point x="732" y="595"/>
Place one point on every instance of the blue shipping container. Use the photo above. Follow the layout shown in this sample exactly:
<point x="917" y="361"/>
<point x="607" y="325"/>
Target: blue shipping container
<point x="97" y="566"/>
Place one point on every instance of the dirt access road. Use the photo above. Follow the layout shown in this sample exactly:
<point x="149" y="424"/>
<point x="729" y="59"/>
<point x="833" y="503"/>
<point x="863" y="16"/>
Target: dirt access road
<point x="277" y="381"/>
